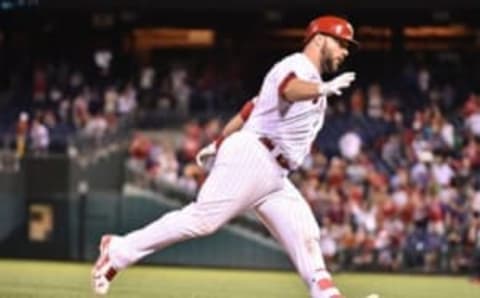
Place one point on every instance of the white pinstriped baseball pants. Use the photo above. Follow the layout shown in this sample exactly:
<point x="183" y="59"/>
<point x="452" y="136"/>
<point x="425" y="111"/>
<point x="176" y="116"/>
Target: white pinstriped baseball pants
<point x="245" y="176"/>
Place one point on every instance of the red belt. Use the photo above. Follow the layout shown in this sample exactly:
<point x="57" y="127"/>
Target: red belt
<point x="282" y="161"/>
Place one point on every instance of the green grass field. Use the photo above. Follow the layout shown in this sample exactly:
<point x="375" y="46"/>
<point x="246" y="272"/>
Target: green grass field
<point x="50" y="279"/>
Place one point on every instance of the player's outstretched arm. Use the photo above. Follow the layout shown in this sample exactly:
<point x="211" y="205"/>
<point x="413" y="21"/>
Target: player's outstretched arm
<point x="297" y="90"/>
<point x="234" y="124"/>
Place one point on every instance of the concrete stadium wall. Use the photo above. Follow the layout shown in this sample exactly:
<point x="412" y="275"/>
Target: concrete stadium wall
<point x="12" y="203"/>
<point x="226" y="248"/>
<point x="53" y="181"/>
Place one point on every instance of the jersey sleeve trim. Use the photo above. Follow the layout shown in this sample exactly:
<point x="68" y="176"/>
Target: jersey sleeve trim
<point x="281" y="88"/>
<point x="247" y="110"/>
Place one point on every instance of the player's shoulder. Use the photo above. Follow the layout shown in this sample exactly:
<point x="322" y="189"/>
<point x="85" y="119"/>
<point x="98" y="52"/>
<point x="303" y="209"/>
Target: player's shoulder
<point x="296" y="62"/>
<point x="293" y="58"/>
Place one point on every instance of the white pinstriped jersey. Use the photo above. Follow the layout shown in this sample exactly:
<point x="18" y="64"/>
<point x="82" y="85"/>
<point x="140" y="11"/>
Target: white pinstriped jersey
<point x="291" y="126"/>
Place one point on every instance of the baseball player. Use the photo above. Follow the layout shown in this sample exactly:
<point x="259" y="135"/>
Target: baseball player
<point x="251" y="166"/>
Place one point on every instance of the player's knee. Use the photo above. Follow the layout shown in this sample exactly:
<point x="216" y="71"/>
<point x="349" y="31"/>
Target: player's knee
<point x="206" y="229"/>
<point x="204" y="221"/>
<point x="207" y="226"/>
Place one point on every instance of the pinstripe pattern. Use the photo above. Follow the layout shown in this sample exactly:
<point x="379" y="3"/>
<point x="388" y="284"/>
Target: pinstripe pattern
<point x="290" y="220"/>
<point x="244" y="172"/>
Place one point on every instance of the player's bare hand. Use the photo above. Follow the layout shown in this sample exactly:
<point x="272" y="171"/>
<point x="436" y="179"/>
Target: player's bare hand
<point x="337" y="84"/>
<point x="206" y="153"/>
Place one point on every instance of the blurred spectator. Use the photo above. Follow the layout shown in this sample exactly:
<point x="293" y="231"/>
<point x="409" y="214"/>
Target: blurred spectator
<point x="146" y="86"/>
<point x="350" y="145"/>
<point x="375" y="101"/>
<point x="21" y="134"/>
<point x="386" y="242"/>
<point x="96" y="127"/>
<point x="139" y="151"/>
<point x="328" y="243"/>
<point x="414" y="249"/>
<point x="441" y="171"/>
<point x="212" y="130"/>
<point x="162" y="163"/>
<point x="181" y="89"/>
<point x="433" y="249"/>
<point x="192" y="177"/>
<point x="473" y="123"/>
<point x="147" y="76"/>
<point x="39" y="85"/>
<point x="421" y="170"/>
<point x="192" y="141"/>
<point x="357" y="102"/>
<point x="400" y="195"/>
<point x="127" y="100"/>
<point x="111" y="101"/>
<point x="50" y="120"/>
<point x="423" y="80"/>
<point x="40" y="137"/>
<point x="64" y="111"/>
<point x="471" y="105"/>
<point x="80" y="111"/>
<point x="392" y="151"/>
<point x="103" y="59"/>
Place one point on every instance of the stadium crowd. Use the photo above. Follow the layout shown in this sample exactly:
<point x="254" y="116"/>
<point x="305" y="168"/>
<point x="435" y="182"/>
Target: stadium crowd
<point x="63" y="102"/>
<point x="54" y="98"/>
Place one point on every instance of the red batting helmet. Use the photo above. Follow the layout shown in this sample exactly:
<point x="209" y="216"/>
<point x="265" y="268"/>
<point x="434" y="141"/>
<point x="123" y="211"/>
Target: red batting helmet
<point x="331" y="26"/>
